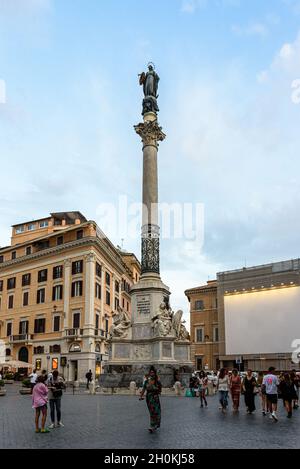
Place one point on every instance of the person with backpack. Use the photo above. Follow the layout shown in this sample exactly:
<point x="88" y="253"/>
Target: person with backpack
<point x="288" y="393"/>
<point x="55" y="385"/>
<point x="89" y="377"/>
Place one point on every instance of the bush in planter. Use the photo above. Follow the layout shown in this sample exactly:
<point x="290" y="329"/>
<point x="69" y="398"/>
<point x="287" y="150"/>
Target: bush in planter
<point x="9" y="376"/>
<point x="26" y="383"/>
<point x="2" y="383"/>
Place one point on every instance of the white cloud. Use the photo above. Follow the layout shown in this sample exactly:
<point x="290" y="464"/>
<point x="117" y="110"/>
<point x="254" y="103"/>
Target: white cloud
<point x="252" y="29"/>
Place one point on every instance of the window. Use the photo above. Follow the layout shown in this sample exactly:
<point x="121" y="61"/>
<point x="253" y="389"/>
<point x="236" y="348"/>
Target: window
<point x="58" y="272"/>
<point x="38" y="350"/>
<point x="11" y="283"/>
<point x="56" y="324"/>
<point x="123" y="303"/>
<point x="106" y="326"/>
<point x="54" y="363"/>
<point x="43" y="245"/>
<point x="76" y="320"/>
<point x="1" y="259"/>
<point x="1" y="285"/>
<point x="40" y="297"/>
<point x="98" y="270"/>
<point x="14" y="255"/>
<point x="79" y="234"/>
<point x="117" y="303"/>
<point x="199" y="335"/>
<point x="127" y="306"/>
<point x="107" y="278"/>
<point x="117" y="287"/>
<point x="23" y="327"/>
<point x="9" y="329"/>
<point x="20" y="229"/>
<point x="38" y="364"/>
<point x="216" y="303"/>
<point x="77" y="267"/>
<point x="60" y="240"/>
<point x="43" y="275"/>
<point x="25" y="298"/>
<point x="31" y="227"/>
<point x="199" y="305"/>
<point x="26" y="279"/>
<point x="108" y="298"/>
<point x="11" y="302"/>
<point x="54" y="348"/>
<point x="28" y="251"/>
<point x="39" y="325"/>
<point x="97" y="321"/>
<point x="8" y="352"/>
<point x="77" y="289"/>
<point x="98" y="291"/>
<point x="75" y="348"/>
<point x="44" y="224"/>
<point x="216" y="334"/>
<point x="57" y="293"/>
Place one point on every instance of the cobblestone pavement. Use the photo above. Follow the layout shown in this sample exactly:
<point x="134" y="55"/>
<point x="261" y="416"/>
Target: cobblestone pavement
<point x="120" y="422"/>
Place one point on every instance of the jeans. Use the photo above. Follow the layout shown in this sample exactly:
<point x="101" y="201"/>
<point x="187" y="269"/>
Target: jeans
<point x="224" y="399"/>
<point x="55" y="403"/>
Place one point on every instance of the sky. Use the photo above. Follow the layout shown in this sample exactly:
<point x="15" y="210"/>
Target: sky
<point x="229" y="104"/>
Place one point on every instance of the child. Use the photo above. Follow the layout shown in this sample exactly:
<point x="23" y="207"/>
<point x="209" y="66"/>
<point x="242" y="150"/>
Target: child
<point x="39" y="403"/>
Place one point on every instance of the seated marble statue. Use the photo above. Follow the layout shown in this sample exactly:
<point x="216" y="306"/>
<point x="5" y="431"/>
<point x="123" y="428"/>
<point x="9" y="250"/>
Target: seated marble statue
<point x="121" y="324"/>
<point x="162" y="321"/>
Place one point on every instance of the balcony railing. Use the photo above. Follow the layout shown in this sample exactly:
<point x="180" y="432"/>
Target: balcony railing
<point x="14" y="339"/>
<point x="71" y="333"/>
<point x="101" y="333"/>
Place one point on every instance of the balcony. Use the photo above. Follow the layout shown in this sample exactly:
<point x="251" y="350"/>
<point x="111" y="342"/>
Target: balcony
<point x="21" y="339"/>
<point x="73" y="333"/>
<point x="101" y="333"/>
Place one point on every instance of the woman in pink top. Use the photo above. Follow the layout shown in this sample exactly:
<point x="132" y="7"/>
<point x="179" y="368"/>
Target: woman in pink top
<point x="39" y="403"/>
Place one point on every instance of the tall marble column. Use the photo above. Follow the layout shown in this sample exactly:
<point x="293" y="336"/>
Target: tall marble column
<point x="151" y="134"/>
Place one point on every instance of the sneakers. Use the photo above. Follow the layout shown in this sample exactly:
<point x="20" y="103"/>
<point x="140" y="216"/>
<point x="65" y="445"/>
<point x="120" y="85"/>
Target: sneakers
<point x="274" y="416"/>
<point x="52" y="426"/>
<point x="60" y="424"/>
<point x="45" y="430"/>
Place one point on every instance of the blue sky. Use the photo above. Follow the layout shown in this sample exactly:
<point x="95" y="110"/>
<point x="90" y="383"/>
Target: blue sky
<point x="227" y="66"/>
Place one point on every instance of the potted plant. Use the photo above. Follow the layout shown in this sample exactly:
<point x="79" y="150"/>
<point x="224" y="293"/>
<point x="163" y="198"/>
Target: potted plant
<point x="2" y="390"/>
<point x="26" y="387"/>
<point x="9" y="378"/>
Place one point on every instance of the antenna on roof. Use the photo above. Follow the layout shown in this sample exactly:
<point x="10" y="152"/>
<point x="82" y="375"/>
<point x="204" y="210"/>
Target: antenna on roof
<point x="122" y="245"/>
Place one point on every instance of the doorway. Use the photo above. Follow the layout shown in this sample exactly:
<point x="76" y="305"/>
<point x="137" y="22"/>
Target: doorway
<point x="23" y="354"/>
<point x="74" y="370"/>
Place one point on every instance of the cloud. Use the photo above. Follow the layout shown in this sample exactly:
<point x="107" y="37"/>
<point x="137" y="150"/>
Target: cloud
<point x="240" y="139"/>
<point x="191" y="6"/>
<point x="252" y="29"/>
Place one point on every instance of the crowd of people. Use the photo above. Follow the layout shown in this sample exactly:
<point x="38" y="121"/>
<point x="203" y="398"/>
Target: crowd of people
<point x="269" y="387"/>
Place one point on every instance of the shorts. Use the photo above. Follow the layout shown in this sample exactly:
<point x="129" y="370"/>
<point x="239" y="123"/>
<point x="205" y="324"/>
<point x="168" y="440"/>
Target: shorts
<point x="272" y="398"/>
<point x="42" y="409"/>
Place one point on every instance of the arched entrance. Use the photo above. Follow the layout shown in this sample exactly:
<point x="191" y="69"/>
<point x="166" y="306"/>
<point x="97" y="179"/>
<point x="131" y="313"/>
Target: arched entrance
<point x="23" y="354"/>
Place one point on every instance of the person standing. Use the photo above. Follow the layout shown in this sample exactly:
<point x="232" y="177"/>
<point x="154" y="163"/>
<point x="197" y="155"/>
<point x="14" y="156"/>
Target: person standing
<point x="288" y="393"/>
<point x="296" y="380"/>
<point x="270" y="385"/>
<point x="89" y="377"/>
<point x="249" y="387"/>
<point x="262" y="393"/>
<point x="55" y="385"/>
<point x="39" y="403"/>
<point x="235" y="388"/>
<point x="202" y="387"/>
<point x="223" y="388"/>
<point x="152" y="387"/>
<point x="33" y="378"/>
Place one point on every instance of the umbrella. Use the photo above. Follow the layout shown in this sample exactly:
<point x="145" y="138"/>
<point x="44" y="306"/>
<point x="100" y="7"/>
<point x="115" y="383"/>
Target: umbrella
<point x="16" y="364"/>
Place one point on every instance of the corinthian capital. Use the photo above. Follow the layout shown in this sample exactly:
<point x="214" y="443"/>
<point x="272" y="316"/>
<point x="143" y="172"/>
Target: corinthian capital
<point x="150" y="132"/>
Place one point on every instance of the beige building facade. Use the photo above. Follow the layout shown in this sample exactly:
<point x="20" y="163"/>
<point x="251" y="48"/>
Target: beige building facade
<point x="61" y="280"/>
<point x="204" y="326"/>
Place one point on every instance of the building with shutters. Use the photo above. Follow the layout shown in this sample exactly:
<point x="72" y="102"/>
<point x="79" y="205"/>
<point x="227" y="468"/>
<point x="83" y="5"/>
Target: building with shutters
<point x="61" y="280"/>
